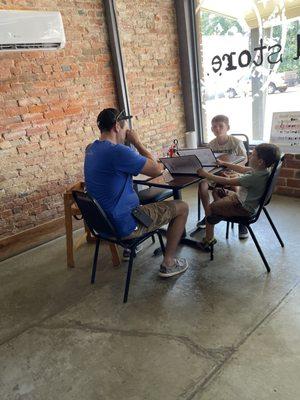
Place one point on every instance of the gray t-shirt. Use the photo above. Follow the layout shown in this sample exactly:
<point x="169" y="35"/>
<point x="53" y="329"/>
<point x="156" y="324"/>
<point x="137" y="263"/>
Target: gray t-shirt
<point x="232" y="146"/>
<point x="252" y="186"/>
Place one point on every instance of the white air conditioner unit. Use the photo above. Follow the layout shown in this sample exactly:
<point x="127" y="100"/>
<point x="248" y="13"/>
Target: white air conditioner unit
<point x="31" y="30"/>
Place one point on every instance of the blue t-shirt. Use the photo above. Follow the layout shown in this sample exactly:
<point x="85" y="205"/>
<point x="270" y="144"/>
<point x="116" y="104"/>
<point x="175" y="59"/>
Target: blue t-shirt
<point x="108" y="170"/>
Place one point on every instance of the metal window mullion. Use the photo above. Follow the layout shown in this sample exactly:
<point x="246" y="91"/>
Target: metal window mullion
<point x="117" y="57"/>
<point x="196" y="67"/>
<point x="189" y="65"/>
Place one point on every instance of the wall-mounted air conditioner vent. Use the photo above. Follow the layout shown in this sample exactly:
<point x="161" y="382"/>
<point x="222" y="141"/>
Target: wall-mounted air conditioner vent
<point x="31" y="30"/>
<point x="30" y="46"/>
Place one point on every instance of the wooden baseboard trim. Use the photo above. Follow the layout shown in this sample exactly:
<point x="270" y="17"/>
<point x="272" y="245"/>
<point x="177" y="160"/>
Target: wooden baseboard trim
<point x="33" y="237"/>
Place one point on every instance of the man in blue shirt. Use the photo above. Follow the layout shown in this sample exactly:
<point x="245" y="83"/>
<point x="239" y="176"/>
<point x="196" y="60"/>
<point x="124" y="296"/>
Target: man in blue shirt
<point x="108" y="169"/>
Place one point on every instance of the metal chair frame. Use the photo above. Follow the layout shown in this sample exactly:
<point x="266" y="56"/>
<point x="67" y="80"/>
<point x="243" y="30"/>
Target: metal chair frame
<point x="102" y="229"/>
<point x="247" y="221"/>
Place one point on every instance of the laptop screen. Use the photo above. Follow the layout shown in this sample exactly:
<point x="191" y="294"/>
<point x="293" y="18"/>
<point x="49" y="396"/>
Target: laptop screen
<point x="185" y="165"/>
<point x="204" y="154"/>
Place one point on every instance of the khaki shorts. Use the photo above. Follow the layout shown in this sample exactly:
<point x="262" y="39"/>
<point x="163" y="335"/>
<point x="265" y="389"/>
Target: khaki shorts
<point x="161" y="213"/>
<point x="229" y="206"/>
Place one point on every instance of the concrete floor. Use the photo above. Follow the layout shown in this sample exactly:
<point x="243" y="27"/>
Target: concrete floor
<point x="224" y="330"/>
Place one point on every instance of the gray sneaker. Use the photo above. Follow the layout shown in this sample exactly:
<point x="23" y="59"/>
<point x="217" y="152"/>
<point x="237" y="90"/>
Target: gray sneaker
<point x="180" y="265"/>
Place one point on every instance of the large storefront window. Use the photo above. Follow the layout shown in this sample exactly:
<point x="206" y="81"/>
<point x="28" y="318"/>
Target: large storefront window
<point x="249" y="62"/>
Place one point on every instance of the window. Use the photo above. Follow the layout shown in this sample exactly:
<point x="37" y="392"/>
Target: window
<point x="249" y="63"/>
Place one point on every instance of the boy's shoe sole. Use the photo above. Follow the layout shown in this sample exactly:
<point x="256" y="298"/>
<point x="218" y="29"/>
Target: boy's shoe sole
<point x="201" y="224"/>
<point x="179" y="267"/>
<point x="243" y="232"/>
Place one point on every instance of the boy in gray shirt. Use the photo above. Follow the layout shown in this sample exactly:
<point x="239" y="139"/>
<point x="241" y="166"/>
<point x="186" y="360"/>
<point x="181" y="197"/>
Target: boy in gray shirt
<point x="251" y="187"/>
<point x="223" y="143"/>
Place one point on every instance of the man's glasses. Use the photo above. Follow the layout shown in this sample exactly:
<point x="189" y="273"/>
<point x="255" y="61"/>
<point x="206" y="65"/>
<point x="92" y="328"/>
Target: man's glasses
<point x="119" y="116"/>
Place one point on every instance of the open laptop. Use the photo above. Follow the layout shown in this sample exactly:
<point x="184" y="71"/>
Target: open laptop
<point x="231" y="158"/>
<point x="208" y="158"/>
<point x="184" y="165"/>
<point x="204" y="154"/>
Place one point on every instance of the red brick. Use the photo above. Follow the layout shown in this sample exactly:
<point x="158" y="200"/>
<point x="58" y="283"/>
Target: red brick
<point x="6" y="214"/>
<point x="284" y="190"/>
<point x="294" y="183"/>
<point x="73" y="110"/>
<point x="281" y="182"/>
<point x="4" y="88"/>
<point x="14" y="135"/>
<point x="54" y="114"/>
<point x="28" y="148"/>
<point x="36" y="131"/>
<point x="29" y="101"/>
<point x="287" y="173"/>
<point x="13" y="111"/>
<point x="289" y="156"/>
<point x="38" y="108"/>
<point x="293" y="164"/>
<point x="32" y="116"/>
<point x="18" y="126"/>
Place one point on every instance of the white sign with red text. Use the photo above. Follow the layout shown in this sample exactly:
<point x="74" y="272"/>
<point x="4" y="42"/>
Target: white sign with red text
<point x="285" y="131"/>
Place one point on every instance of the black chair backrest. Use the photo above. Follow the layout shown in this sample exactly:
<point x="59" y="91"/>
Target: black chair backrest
<point x="245" y="140"/>
<point x="93" y="215"/>
<point x="271" y="182"/>
<point x="274" y="181"/>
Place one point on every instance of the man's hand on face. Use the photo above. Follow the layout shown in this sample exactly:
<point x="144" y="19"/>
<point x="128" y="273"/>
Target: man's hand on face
<point x="132" y="137"/>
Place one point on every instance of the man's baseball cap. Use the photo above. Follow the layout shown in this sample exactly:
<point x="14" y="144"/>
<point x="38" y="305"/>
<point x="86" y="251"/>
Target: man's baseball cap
<point x="109" y="116"/>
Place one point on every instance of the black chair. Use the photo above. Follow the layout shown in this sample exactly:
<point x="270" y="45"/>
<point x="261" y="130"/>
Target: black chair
<point x="102" y="229"/>
<point x="247" y="221"/>
<point x="245" y="140"/>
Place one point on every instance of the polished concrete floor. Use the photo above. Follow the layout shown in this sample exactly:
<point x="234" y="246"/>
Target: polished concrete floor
<point x="224" y="330"/>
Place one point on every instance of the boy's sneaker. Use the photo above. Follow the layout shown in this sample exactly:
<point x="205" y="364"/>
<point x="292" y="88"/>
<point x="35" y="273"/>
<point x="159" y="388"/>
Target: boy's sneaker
<point x="201" y="224"/>
<point x="205" y="244"/>
<point x="180" y="265"/>
<point x="243" y="232"/>
<point x="126" y="252"/>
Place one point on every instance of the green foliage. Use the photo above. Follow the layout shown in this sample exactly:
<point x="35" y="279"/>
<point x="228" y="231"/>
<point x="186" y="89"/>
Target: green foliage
<point x="290" y="50"/>
<point x="212" y="24"/>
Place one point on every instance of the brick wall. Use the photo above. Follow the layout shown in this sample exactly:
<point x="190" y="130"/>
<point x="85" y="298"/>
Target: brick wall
<point x="48" y="106"/>
<point x="149" y="39"/>
<point x="289" y="180"/>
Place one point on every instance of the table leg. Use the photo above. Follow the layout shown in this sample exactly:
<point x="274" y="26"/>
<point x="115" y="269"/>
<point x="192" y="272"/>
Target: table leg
<point x="177" y="194"/>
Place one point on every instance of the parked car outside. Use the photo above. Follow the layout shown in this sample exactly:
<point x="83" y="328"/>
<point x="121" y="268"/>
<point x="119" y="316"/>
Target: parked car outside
<point x="244" y="87"/>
